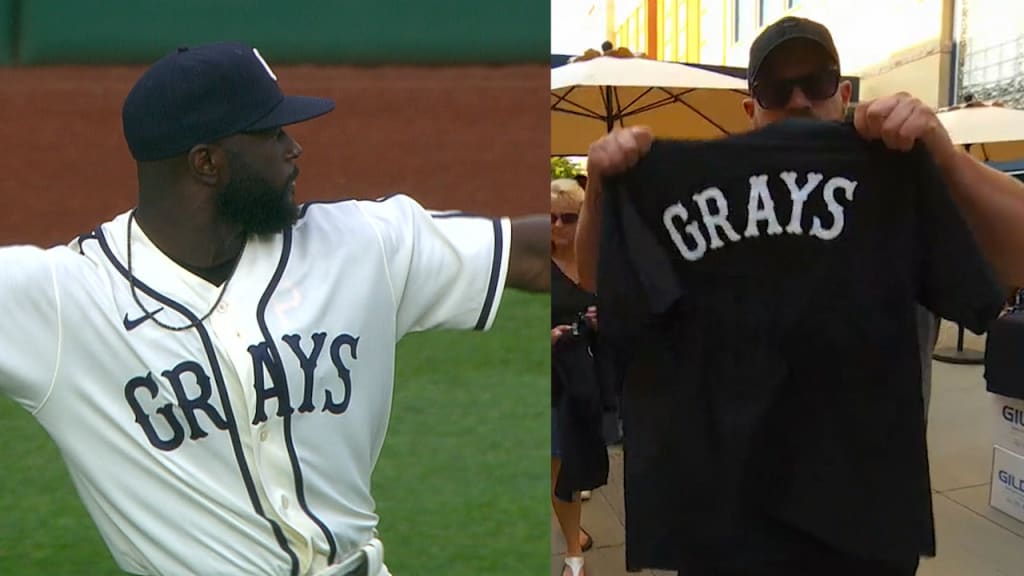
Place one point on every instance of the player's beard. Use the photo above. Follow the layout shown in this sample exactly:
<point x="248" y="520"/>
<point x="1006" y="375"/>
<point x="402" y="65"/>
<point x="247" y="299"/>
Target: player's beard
<point x="253" y="203"/>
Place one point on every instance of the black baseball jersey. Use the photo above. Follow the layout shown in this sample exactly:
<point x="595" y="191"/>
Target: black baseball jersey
<point x="763" y="290"/>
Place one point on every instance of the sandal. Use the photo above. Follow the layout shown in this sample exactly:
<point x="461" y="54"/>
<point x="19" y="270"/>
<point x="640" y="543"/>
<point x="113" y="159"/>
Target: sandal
<point x="589" y="542"/>
<point x="574" y="564"/>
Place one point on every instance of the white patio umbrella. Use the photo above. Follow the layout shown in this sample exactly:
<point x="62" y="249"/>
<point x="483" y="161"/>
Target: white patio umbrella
<point x="595" y="94"/>
<point x="990" y="131"/>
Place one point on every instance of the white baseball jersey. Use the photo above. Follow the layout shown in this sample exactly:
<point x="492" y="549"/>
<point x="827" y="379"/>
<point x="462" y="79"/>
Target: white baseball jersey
<point x="245" y="445"/>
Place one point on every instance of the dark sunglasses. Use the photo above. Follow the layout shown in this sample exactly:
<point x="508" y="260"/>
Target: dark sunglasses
<point x="774" y="94"/>
<point x="567" y="218"/>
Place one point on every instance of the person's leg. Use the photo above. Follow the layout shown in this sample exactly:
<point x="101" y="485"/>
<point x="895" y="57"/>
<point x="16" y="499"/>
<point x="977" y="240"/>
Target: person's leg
<point x="568" y="515"/>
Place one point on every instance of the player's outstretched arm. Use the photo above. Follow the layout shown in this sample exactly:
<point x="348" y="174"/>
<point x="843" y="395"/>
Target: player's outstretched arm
<point x="529" y="262"/>
<point x="612" y="154"/>
<point x="29" y="298"/>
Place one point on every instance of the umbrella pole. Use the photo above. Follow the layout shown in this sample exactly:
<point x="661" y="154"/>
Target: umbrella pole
<point x="608" y="119"/>
<point x="959" y="354"/>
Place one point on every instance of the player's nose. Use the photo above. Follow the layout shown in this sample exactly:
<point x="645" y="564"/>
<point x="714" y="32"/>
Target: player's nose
<point x="293" y="146"/>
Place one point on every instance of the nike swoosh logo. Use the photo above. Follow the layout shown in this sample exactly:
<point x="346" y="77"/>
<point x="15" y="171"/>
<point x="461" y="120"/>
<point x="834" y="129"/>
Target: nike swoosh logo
<point x="130" y="325"/>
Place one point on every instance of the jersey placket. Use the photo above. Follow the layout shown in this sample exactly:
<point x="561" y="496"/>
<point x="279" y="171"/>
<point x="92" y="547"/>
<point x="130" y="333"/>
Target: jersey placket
<point x="264" y="442"/>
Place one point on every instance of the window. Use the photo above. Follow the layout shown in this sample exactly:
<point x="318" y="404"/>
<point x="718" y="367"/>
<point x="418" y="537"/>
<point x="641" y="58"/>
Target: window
<point x="769" y="11"/>
<point x="668" y="26"/>
<point x="681" y="31"/>
<point x="792" y="4"/>
<point x="743" y="13"/>
<point x="641" y="28"/>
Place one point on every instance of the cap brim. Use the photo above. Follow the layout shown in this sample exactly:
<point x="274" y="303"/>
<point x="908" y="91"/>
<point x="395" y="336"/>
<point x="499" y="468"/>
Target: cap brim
<point x="292" y="110"/>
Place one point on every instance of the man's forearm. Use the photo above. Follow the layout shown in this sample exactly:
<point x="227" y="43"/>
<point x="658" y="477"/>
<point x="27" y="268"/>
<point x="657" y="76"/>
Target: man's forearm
<point x="992" y="203"/>
<point x="529" y="266"/>
<point x="613" y="154"/>
<point x="588" y="236"/>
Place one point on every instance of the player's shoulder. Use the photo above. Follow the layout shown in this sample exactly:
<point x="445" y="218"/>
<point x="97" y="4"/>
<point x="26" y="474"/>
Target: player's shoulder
<point x="396" y="209"/>
<point x="99" y="253"/>
<point x="37" y="269"/>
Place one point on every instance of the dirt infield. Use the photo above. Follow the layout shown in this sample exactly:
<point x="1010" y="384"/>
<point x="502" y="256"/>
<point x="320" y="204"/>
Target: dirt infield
<point x="475" y="139"/>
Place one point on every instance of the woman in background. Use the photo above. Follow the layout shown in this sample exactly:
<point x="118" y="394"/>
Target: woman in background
<point x="577" y="444"/>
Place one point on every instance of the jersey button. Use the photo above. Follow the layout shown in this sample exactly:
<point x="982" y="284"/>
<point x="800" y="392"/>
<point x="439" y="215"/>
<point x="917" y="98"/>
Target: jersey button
<point x="222" y="307"/>
<point x="284" y="502"/>
<point x="263" y="435"/>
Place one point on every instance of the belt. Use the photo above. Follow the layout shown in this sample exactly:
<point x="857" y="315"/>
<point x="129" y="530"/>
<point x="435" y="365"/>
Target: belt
<point x="361" y="566"/>
<point x="367" y="561"/>
<point x="357" y="564"/>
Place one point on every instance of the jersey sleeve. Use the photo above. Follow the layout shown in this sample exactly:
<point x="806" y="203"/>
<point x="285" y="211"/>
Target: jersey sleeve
<point x="955" y="280"/>
<point x="30" y="332"/>
<point x="635" y="282"/>
<point x="447" y="269"/>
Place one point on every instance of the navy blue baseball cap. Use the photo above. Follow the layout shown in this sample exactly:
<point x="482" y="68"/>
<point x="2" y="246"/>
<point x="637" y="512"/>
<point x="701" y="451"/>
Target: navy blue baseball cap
<point x="782" y="31"/>
<point x="204" y="93"/>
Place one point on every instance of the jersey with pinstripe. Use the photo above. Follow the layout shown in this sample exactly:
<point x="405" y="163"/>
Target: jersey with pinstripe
<point x="245" y="445"/>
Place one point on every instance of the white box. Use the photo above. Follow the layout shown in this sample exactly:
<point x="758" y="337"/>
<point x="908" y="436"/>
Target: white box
<point x="1008" y="423"/>
<point x="1007" y="491"/>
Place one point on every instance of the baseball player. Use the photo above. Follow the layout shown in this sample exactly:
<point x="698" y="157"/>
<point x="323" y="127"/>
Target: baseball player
<point x="216" y="365"/>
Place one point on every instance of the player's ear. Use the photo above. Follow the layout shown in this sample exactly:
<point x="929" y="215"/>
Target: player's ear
<point x="207" y="163"/>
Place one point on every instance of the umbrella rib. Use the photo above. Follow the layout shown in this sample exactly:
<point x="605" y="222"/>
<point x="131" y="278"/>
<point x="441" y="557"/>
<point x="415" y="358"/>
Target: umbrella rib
<point x="698" y="112"/>
<point x="677" y="97"/>
<point x="580" y="111"/>
<point x="564" y="98"/>
<point x="656" y="104"/>
<point x="590" y="115"/>
<point x="624" y="110"/>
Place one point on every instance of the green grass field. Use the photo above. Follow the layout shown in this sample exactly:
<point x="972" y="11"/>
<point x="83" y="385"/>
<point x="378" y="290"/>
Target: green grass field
<point x="461" y="486"/>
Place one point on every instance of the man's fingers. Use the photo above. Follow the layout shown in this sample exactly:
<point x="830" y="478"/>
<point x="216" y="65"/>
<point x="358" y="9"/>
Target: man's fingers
<point x="644" y="138"/>
<point x="893" y="133"/>
<point x="876" y="113"/>
<point x="916" y="126"/>
<point x="875" y="117"/>
<point x="860" y="118"/>
<point x="919" y="123"/>
<point x="618" y="151"/>
<point x="627" y="148"/>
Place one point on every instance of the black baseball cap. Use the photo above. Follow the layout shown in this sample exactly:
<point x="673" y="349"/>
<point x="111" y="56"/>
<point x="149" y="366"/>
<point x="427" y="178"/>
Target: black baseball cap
<point x="781" y="31"/>
<point x="204" y="93"/>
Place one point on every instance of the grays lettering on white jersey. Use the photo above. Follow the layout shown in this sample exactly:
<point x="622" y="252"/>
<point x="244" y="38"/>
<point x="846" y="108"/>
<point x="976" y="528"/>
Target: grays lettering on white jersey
<point x="245" y="445"/>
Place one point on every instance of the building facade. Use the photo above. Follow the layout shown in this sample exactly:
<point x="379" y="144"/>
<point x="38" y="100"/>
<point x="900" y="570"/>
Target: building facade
<point x="892" y="45"/>
<point x="991" y="50"/>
